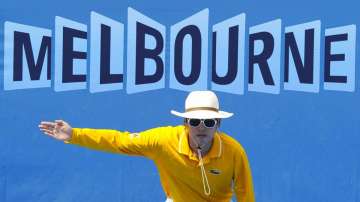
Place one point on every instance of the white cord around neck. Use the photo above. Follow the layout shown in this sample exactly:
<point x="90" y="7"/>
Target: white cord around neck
<point x="205" y="181"/>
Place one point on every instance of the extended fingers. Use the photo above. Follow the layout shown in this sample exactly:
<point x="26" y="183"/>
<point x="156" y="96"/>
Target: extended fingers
<point x="48" y="132"/>
<point x="47" y="124"/>
<point x="51" y="125"/>
<point x="47" y="127"/>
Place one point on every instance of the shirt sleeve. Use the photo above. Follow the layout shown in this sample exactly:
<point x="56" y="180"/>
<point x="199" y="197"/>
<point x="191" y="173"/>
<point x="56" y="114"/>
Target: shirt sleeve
<point x="243" y="185"/>
<point x="146" y="143"/>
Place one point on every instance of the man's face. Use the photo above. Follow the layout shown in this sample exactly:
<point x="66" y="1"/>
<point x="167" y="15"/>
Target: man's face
<point x="200" y="135"/>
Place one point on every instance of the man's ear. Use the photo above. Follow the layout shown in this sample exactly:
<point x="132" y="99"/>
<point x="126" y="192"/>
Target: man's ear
<point x="219" y="122"/>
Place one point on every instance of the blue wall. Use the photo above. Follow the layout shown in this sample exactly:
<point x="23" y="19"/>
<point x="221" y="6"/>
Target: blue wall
<point x="302" y="147"/>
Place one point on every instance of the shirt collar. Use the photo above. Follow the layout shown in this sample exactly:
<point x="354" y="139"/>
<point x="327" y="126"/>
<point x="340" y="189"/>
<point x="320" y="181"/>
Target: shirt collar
<point x="215" y="150"/>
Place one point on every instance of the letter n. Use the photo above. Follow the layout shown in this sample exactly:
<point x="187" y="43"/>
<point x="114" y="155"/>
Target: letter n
<point x="302" y="57"/>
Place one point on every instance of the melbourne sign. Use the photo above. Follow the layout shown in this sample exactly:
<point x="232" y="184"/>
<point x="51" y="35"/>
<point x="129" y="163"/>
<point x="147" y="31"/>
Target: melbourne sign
<point x="227" y="57"/>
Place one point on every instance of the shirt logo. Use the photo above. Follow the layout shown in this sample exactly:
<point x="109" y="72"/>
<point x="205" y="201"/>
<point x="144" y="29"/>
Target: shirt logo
<point x="215" y="171"/>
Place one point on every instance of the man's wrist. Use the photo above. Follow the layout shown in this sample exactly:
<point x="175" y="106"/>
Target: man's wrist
<point x="69" y="140"/>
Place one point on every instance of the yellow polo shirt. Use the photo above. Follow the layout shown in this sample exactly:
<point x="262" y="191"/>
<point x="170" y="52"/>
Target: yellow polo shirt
<point x="226" y="164"/>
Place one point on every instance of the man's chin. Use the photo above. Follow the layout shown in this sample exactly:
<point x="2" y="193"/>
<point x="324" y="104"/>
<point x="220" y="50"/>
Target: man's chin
<point x="202" y="143"/>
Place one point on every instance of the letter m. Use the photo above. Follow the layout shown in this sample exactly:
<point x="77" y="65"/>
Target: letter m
<point x="27" y="61"/>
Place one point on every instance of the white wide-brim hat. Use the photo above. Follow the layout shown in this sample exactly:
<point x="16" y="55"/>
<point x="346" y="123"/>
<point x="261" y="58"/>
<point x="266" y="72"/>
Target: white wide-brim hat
<point x="202" y="105"/>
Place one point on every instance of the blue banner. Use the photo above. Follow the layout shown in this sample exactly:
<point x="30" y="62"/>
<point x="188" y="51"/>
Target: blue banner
<point x="286" y="69"/>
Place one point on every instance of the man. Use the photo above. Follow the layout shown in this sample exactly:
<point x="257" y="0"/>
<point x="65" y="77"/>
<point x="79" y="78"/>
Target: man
<point x="196" y="162"/>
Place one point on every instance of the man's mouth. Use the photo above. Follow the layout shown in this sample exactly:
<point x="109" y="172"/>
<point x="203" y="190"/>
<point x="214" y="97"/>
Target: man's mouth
<point x="201" y="135"/>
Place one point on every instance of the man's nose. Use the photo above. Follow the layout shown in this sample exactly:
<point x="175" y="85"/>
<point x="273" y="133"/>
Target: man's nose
<point x="202" y="126"/>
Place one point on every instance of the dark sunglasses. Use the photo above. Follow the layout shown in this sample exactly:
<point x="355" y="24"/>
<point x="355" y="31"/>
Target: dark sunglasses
<point x="209" y="123"/>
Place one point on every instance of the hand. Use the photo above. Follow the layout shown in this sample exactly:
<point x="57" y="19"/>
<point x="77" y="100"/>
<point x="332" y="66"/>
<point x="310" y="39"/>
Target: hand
<point x="59" y="129"/>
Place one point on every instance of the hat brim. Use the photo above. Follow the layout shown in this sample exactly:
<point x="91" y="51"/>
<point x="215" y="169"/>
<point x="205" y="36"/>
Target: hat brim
<point x="203" y="114"/>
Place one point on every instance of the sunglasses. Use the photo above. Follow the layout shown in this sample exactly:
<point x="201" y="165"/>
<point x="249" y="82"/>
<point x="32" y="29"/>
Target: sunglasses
<point x="208" y="123"/>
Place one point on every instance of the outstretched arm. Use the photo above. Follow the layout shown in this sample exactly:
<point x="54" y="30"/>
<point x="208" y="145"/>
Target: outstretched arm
<point x="146" y="143"/>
